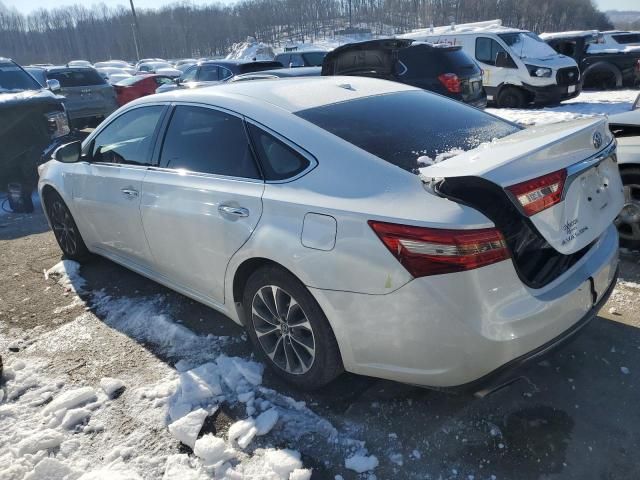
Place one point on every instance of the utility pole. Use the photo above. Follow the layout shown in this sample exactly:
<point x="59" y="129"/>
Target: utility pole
<point x="137" y="39"/>
<point x="350" y="24"/>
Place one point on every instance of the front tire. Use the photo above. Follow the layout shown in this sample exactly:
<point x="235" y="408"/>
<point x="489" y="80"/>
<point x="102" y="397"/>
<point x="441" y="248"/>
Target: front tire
<point x="628" y="221"/>
<point x="65" y="229"/>
<point x="511" y="97"/>
<point x="289" y="330"/>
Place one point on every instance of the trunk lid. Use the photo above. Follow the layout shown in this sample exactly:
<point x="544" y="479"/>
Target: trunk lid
<point x="374" y="58"/>
<point x="591" y="196"/>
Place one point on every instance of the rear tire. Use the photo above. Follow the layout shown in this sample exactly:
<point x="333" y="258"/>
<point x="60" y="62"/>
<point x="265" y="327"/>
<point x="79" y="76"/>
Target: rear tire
<point x="288" y="329"/>
<point x="628" y="221"/>
<point x="511" y="97"/>
<point x="65" y="229"/>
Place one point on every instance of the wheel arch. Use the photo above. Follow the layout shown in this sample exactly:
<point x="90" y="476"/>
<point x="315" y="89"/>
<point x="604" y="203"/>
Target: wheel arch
<point x="603" y="66"/>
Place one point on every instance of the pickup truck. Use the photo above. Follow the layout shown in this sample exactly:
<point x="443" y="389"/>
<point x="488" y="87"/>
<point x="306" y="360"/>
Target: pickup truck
<point x="34" y="120"/>
<point x="601" y="68"/>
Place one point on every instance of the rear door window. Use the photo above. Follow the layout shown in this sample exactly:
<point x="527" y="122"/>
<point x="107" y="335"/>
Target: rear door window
<point x="208" y="73"/>
<point x="401" y="127"/>
<point x="279" y="161"/>
<point x="627" y="38"/>
<point x="189" y="75"/>
<point x="205" y="140"/>
<point x="76" y="78"/>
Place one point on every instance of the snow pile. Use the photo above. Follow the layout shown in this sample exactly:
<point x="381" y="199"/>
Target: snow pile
<point x="587" y="104"/>
<point x="252" y="50"/>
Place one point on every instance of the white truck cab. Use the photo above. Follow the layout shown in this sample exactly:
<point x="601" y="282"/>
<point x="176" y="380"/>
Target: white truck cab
<point x="518" y="67"/>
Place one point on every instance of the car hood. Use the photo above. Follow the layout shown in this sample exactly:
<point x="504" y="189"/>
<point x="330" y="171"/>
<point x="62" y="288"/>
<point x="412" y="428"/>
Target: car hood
<point x="11" y="99"/>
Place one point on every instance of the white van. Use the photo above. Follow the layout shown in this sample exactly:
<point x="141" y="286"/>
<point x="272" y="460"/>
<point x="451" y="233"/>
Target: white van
<point x="519" y="68"/>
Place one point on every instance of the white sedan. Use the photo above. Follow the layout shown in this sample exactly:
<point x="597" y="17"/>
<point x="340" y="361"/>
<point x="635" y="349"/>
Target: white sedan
<point x="302" y="209"/>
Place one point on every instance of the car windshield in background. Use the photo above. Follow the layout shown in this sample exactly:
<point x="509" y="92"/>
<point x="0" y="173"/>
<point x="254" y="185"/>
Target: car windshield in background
<point x="401" y="127"/>
<point x="76" y="78"/>
<point x="527" y="45"/>
<point x="314" y="59"/>
<point x="14" y="79"/>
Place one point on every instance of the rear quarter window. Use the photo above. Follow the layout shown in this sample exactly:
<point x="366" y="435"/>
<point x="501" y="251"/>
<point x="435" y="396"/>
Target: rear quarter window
<point x="77" y="78"/>
<point x="401" y="127"/>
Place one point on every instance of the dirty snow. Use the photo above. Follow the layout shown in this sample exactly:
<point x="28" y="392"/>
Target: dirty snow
<point x="58" y="425"/>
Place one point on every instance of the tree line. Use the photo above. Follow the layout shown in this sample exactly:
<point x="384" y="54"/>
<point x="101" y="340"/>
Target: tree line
<point x="189" y="30"/>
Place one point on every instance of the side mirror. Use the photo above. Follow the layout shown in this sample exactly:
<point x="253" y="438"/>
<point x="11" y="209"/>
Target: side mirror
<point x="68" y="153"/>
<point x="504" y="60"/>
<point x="53" y="85"/>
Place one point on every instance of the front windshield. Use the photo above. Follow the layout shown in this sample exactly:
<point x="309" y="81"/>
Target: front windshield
<point x="14" y="79"/>
<point x="527" y="45"/>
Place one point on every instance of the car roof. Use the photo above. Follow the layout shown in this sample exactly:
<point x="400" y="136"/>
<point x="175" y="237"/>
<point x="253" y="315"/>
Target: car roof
<point x="295" y="94"/>
<point x="231" y="62"/>
<point x="306" y="50"/>
<point x="62" y="68"/>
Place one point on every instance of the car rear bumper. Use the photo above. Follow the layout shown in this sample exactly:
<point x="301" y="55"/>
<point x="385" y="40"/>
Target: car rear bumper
<point x="451" y="330"/>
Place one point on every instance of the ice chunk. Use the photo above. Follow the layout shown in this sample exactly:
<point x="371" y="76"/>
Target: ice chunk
<point x="300" y="474"/>
<point x="187" y="428"/>
<point x="40" y="440"/>
<point x="212" y="449"/>
<point x="75" y="416"/>
<point x="71" y="399"/>
<point x="107" y="474"/>
<point x="51" y="469"/>
<point x="243" y="432"/>
<point x="283" y="462"/>
<point x="111" y="385"/>
<point x="179" y="466"/>
<point x="266" y="421"/>
<point x="200" y="383"/>
<point x="361" y="463"/>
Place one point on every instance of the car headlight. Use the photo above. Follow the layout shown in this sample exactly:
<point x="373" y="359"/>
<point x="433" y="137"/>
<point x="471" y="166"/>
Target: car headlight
<point x="536" y="71"/>
<point x="57" y="124"/>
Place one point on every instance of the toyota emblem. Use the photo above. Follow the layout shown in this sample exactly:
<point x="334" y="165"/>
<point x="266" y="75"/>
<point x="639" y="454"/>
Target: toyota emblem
<point x="597" y="140"/>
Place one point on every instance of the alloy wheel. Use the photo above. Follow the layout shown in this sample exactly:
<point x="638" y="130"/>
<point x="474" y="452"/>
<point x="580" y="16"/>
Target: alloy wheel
<point x="628" y="221"/>
<point x="63" y="227"/>
<point x="283" y="330"/>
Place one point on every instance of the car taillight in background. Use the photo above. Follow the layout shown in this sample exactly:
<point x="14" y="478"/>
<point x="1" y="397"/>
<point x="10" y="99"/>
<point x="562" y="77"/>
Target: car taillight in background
<point x="433" y="251"/>
<point x="451" y="82"/>
<point x="57" y="124"/>
<point x="539" y="193"/>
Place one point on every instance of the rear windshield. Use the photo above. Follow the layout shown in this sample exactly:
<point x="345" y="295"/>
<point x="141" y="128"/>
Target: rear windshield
<point x="258" y="66"/>
<point x="314" y="59"/>
<point x="627" y="38"/>
<point x="423" y="61"/>
<point x="76" y="78"/>
<point x="14" y="79"/>
<point x="401" y="127"/>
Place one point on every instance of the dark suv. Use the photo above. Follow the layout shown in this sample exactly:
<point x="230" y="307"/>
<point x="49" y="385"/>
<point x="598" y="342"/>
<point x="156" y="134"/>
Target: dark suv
<point x="442" y="69"/>
<point x="34" y="120"/>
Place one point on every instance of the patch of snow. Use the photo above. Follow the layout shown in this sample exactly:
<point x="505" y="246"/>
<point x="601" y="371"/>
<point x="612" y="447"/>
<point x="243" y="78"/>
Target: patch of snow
<point x="40" y="440"/>
<point x="361" y="463"/>
<point x="68" y="274"/>
<point x="625" y="370"/>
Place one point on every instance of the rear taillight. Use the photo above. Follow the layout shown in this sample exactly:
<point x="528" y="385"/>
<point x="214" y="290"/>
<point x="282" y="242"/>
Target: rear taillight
<point x="638" y="66"/>
<point x="451" y="82"/>
<point x="539" y="193"/>
<point x="434" y="251"/>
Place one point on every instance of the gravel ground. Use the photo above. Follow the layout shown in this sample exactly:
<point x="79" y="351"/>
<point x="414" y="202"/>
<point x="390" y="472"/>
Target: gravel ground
<point x="574" y="415"/>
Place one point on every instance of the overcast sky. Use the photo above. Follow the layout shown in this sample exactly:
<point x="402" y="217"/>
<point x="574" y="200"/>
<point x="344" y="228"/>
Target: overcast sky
<point x="26" y="6"/>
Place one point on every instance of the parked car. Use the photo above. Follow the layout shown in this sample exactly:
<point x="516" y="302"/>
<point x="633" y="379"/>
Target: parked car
<point x="601" y="68"/>
<point x="139" y="86"/>
<point x="303" y="58"/>
<point x="161" y="68"/>
<point x="212" y="72"/>
<point x="33" y="118"/>
<point x="185" y="61"/>
<point x="518" y="67"/>
<point x="626" y="128"/>
<point x="113" y="74"/>
<point x="616" y="40"/>
<point x="88" y="96"/>
<point x="443" y="69"/>
<point x="277" y="73"/>
<point x="309" y="221"/>
<point x="79" y="63"/>
<point x="147" y="60"/>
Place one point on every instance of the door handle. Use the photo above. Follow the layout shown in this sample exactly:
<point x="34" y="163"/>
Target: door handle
<point x="235" y="211"/>
<point x="129" y="192"/>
